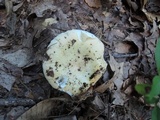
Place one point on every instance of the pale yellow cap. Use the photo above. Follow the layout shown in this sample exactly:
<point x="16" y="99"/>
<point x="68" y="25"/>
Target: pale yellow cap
<point x="75" y="61"/>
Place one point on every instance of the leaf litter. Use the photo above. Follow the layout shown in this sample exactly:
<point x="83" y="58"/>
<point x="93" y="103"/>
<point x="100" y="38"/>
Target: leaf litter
<point x="129" y="31"/>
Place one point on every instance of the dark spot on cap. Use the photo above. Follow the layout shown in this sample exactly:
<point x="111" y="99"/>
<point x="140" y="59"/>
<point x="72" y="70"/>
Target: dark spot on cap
<point x="85" y="84"/>
<point x="101" y="68"/>
<point x="69" y="46"/>
<point x="50" y="73"/>
<point x="81" y="89"/>
<point x="56" y="65"/>
<point x="73" y="41"/>
<point x="79" y="69"/>
<point x="87" y="59"/>
<point x="78" y="51"/>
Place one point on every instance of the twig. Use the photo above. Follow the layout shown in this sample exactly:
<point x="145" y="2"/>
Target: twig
<point x="16" y="102"/>
<point x="123" y="55"/>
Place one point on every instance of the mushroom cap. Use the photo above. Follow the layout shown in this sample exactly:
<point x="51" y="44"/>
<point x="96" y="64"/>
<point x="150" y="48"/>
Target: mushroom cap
<point x="75" y="61"/>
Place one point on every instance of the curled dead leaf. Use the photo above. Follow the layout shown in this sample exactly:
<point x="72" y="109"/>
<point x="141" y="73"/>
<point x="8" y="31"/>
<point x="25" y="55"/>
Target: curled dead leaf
<point x="116" y="80"/>
<point x="132" y="4"/>
<point x="41" y="110"/>
<point x="122" y="47"/>
<point x="9" y="6"/>
<point x="154" y="5"/>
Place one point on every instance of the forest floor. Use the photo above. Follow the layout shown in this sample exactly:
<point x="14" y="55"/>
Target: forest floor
<point x="128" y="29"/>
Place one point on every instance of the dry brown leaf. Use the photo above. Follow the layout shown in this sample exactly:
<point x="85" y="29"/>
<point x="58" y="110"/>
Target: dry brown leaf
<point x="135" y="23"/>
<point x="16" y="7"/>
<point x="20" y="58"/>
<point x="107" y="85"/>
<point x="3" y="17"/>
<point x="3" y="42"/>
<point x="41" y="110"/>
<point x="122" y="47"/>
<point x="6" y="80"/>
<point x="144" y="2"/>
<point x="132" y="4"/>
<point x="153" y="6"/>
<point x="98" y="102"/>
<point x="9" y="6"/>
<point x="41" y="6"/>
<point x="117" y="80"/>
<point x="69" y="117"/>
<point x="49" y="21"/>
<point x="117" y="68"/>
<point x="94" y="3"/>
<point x="129" y="90"/>
<point x="142" y="80"/>
<point x="126" y="83"/>
<point x="9" y="74"/>
<point x="149" y="48"/>
<point x="15" y="112"/>
<point x="150" y="16"/>
<point x="11" y="23"/>
<point x="119" y="98"/>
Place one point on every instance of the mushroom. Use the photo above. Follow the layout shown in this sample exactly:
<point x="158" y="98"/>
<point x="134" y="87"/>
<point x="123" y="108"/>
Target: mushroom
<point x="75" y="61"/>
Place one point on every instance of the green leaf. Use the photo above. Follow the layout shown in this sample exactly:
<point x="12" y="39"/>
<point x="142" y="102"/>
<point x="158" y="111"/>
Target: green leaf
<point x="150" y="100"/>
<point x="156" y="113"/>
<point x="157" y="55"/>
<point x="141" y="88"/>
<point x="155" y="88"/>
